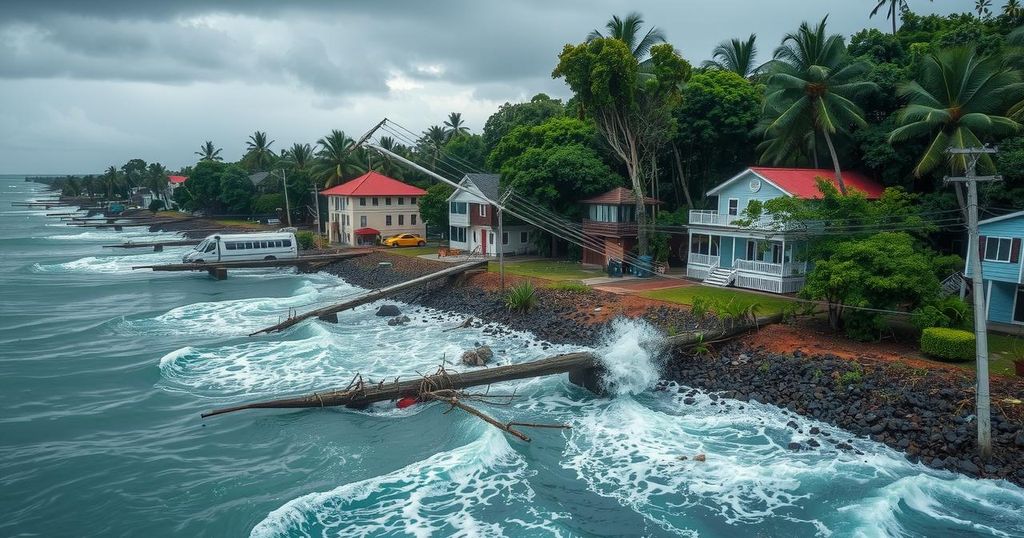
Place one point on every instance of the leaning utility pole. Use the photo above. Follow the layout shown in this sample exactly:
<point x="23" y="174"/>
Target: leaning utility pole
<point x="982" y="398"/>
<point x="287" y="209"/>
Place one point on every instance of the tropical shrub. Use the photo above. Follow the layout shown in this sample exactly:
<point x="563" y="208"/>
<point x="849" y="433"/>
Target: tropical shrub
<point x="700" y="307"/>
<point x="951" y="312"/>
<point x="268" y="204"/>
<point x="521" y="298"/>
<point x="306" y="239"/>
<point x="946" y="344"/>
<point x="156" y="205"/>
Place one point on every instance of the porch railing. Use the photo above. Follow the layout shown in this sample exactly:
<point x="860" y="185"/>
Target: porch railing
<point x="768" y="268"/>
<point x="703" y="259"/>
<point x="714" y="218"/>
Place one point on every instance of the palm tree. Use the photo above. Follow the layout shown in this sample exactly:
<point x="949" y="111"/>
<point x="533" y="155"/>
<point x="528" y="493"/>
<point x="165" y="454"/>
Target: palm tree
<point x="1013" y="10"/>
<point x="454" y="126"/>
<point x="958" y="101"/>
<point x="111" y="181"/>
<point x="156" y="180"/>
<point x="208" y="153"/>
<point x="982" y="8"/>
<point x="810" y="89"/>
<point x="258" y="153"/>
<point x="737" y="56"/>
<point x="432" y="143"/>
<point x="300" y="156"/>
<point x="629" y="31"/>
<point x="89" y="185"/>
<point x="336" y="158"/>
<point x="895" y="6"/>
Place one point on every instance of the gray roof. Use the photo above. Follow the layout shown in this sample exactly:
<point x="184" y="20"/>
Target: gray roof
<point x="489" y="184"/>
<point x="258" y="177"/>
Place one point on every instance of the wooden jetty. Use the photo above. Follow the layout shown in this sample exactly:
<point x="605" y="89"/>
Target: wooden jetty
<point x="219" y="270"/>
<point x="158" y="246"/>
<point x="330" y="313"/>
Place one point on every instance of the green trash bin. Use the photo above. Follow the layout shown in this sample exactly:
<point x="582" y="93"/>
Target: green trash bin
<point x="643" y="267"/>
<point x="614" y="268"/>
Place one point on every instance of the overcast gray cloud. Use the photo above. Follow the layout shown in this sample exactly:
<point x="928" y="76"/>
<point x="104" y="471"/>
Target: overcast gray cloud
<point x="88" y="84"/>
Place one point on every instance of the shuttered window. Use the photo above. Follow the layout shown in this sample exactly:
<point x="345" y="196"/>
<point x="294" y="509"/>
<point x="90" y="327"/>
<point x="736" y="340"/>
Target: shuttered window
<point x="1001" y="249"/>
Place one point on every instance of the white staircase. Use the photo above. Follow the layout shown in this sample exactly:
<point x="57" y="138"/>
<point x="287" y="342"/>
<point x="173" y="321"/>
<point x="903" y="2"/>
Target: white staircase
<point x="720" y="276"/>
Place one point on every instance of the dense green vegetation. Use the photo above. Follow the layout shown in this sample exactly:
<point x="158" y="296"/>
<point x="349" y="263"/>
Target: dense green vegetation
<point x="948" y="344"/>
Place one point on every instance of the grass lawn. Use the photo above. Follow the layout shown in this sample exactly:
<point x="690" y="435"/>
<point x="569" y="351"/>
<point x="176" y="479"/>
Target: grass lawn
<point x="547" y="269"/>
<point x="1001" y="351"/>
<point x="241" y="223"/>
<point x="685" y="294"/>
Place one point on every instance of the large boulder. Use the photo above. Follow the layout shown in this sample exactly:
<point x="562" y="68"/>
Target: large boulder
<point x="389" y="311"/>
<point x="477" y="357"/>
<point x="399" y="320"/>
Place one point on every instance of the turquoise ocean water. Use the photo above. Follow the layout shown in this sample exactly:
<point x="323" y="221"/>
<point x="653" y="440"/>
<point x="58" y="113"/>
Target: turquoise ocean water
<point x="104" y="371"/>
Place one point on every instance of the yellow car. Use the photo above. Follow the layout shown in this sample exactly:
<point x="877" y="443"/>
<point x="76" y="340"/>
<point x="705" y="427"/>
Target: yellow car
<point x="404" y="240"/>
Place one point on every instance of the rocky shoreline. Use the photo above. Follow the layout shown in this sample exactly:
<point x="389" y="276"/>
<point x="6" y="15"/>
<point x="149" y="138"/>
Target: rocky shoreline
<point x="927" y="414"/>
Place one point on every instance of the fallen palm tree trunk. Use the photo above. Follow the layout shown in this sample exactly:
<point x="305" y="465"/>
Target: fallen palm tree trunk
<point x="454" y="399"/>
<point x="330" y="313"/>
<point x="364" y="394"/>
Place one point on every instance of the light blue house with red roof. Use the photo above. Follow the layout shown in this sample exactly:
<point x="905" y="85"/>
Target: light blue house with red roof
<point x="763" y="256"/>
<point x="1001" y="267"/>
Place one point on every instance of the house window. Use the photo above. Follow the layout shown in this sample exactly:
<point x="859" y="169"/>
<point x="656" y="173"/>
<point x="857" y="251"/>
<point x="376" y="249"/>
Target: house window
<point x="412" y="220"/>
<point x="474" y="236"/>
<point x="376" y="201"/>
<point x="504" y="238"/>
<point x="401" y="220"/>
<point x="458" y="235"/>
<point x="997" y="249"/>
<point x="362" y="221"/>
<point x="751" y="250"/>
<point x="458" y="208"/>
<point x="704" y="244"/>
<point x="387" y="201"/>
<point x="412" y="201"/>
<point x="387" y="220"/>
<point x="524" y="237"/>
<point x="401" y="200"/>
<point x="483" y="210"/>
<point x="734" y="207"/>
<point x="362" y="201"/>
<point x="777" y="253"/>
<point x="491" y="236"/>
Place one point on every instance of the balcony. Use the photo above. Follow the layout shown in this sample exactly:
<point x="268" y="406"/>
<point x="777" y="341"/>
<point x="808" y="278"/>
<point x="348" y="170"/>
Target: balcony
<point x="609" y="229"/>
<point x="460" y="220"/>
<point x="714" y="218"/>
<point x="767" y="268"/>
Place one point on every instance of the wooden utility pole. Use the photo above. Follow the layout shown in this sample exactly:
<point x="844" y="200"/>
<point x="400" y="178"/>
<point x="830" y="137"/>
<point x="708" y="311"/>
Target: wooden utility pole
<point x="982" y="398"/>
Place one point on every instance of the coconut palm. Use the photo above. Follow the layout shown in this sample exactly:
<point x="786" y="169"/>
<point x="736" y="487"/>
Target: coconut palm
<point x="959" y="101"/>
<point x="299" y="156"/>
<point x="737" y="56"/>
<point x="156" y="180"/>
<point x="432" y="143"/>
<point x="1013" y="9"/>
<point x="258" y="154"/>
<point x="811" y="87"/>
<point x="983" y="8"/>
<point x="336" y="158"/>
<point x="629" y="30"/>
<point x="209" y="153"/>
<point x="454" y="126"/>
<point x="111" y="181"/>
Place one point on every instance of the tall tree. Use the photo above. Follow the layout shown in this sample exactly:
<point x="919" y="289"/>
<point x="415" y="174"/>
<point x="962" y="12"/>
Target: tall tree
<point x="630" y="31"/>
<point x="1013" y="10"/>
<point x="958" y="100"/>
<point x="258" y="154"/>
<point x="431" y="143"/>
<point x="299" y="156"/>
<point x="112" y="181"/>
<point x="207" y="152"/>
<point x="811" y="87"/>
<point x="737" y="56"/>
<point x="337" y="159"/>
<point x="509" y="116"/>
<point x="634" y="119"/>
<point x="156" y="180"/>
<point x="895" y="7"/>
<point x="454" y="125"/>
<point x="983" y="8"/>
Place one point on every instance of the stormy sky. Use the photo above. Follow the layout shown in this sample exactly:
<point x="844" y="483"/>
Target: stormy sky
<point x="87" y="84"/>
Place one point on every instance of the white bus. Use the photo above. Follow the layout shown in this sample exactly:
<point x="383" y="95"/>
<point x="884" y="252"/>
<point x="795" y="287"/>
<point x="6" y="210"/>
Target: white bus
<point x="243" y="247"/>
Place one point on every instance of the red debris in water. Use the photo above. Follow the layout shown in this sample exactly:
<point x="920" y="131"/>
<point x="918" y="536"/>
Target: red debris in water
<point x="408" y="401"/>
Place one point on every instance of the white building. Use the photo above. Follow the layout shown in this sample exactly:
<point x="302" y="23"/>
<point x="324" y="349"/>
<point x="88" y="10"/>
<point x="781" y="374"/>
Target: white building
<point x="370" y="207"/>
<point x="473" y="221"/>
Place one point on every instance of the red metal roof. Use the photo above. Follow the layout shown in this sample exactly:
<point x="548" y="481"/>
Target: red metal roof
<point x="618" y="196"/>
<point x="374" y="184"/>
<point x="177" y="179"/>
<point x="801" y="182"/>
<point x="367" y="231"/>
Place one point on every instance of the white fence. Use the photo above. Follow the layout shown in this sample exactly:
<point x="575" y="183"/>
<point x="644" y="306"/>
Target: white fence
<point x="703" y="259"/>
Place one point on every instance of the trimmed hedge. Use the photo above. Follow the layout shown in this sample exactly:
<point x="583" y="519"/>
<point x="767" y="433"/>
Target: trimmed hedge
<point x="951" y="345"/>
<point x="306" y="239"/>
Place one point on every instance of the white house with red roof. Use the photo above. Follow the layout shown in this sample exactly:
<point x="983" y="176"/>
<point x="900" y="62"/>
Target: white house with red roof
<point x="370" y="207"/>
<point x="763" y="255"/>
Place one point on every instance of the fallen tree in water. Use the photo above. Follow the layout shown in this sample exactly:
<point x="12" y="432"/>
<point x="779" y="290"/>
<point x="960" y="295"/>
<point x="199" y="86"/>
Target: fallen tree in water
<point x="584" y="369"/>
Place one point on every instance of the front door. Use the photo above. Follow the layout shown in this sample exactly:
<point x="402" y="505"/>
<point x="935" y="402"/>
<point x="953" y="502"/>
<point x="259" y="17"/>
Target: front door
<point x="483" y="242"/>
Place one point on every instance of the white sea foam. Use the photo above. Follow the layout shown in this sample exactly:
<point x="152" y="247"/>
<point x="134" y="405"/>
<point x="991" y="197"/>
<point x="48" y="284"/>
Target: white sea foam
<point x="109" y="264"/>
<point x="630" y="355"/>
<point x="457" y="493"/>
